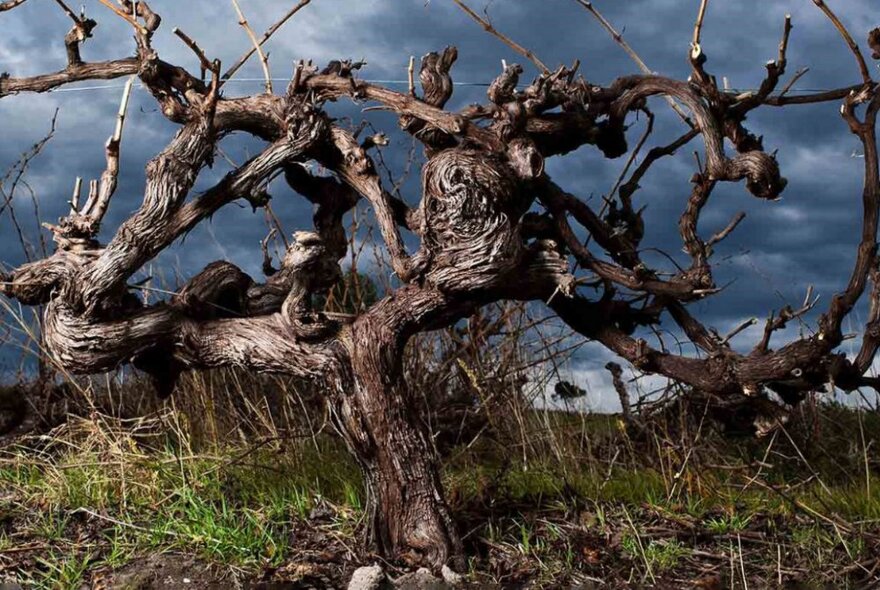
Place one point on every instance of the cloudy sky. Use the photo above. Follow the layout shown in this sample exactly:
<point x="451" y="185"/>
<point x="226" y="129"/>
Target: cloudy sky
<point x="806" y="238"/>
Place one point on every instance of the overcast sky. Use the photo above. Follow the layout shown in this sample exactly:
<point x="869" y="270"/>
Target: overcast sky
<point x="808" y="237"/>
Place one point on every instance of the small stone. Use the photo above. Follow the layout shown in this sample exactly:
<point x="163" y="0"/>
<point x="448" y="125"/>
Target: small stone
<point x="367" y="578"/>
<point x="422" y="579"/>
<point x="452" y="578"/>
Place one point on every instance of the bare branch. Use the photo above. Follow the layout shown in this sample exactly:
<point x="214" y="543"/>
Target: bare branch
<point x="622" y="392"/>
<point x="257" y="45"/>
<point x="794" y="79"/>
<point x="266" y="36"/>
<point x="818" y="97"/>
<point x="107" y="70"/>
<point x="78" y="230"/>
<point x="618" y="38"/>
<point x="124" y="15"/>
<point x="487" y="26"/>
<point x="203" y="59"/>
<point x="857" y="53"/>
<point x="739" y="329"/>
<point x="783" y="45"/>
<point x="698" y="26"/>
<point x="68" y="11"/>
<point x="778" y="322"/>
<point x="727" y="230"/>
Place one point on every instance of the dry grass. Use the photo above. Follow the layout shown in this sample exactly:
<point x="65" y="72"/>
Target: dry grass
<point x="252" y="487"/>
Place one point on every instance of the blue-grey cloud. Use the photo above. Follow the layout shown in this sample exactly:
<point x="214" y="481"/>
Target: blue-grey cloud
<point x="808" y="237"/>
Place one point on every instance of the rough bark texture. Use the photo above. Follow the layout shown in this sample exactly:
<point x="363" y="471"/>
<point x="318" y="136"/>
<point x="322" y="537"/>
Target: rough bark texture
<point x="492" y="225"/>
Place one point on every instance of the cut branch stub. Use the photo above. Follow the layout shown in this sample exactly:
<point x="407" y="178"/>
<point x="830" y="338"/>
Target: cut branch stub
<point x="503" y="88"/>
<point x="435" y="78"/>
<point x="437" y="88"/>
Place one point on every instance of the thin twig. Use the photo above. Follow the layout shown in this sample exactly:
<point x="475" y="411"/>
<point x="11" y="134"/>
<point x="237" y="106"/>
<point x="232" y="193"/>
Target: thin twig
<point x="123" y="108"/>
<point x="257" y="45"/>
<point x="487" y="26"/>
<point x="698" y="26"/>
<point x="122" y="14"/>
<point x="797" y="76"/>
<point x="204" y="62"/>
<point x="618" y="38"/>
<point x="69" y="12"/>
<point x="746" y="324"/>
<point x="727" y="230"/>
<point x="266" y="36"/>
<point x="649" y="128"/>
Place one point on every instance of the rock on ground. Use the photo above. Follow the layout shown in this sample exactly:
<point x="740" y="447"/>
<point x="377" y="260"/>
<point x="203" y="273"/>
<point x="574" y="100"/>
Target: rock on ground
<point x="367" y="578"/>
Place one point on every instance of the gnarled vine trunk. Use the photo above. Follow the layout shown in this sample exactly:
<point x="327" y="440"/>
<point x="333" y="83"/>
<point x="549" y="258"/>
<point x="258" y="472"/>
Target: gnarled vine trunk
<point x="492" y="226"/>
<point x="382" y="425"/>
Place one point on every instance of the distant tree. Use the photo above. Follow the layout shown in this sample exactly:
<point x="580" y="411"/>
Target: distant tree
<point x="492" y="224"/>
<point x="567" y="391"/>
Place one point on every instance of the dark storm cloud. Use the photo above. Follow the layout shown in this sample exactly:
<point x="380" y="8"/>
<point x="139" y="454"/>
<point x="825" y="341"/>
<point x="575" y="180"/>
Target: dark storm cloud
<point x="807" y="237"/>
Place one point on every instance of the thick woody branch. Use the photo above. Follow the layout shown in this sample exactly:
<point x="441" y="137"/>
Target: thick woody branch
<point x="82" y="30"/>
<point x="106" y="70"/>
<point x="352" y="164"/>
<point x="331" y="86"/>
<point x="262" y="344"/>
<point x="636" y="280"/>
<point x="163" y="216"/>
<point x="333" y="200"/>
<point x="437" y="88"/>
<point x="871" y="337"/>
<point x="874" y="42"/>
<point x="759" y="169"/>
<point x="614" y="242"/>
<point x="843" y="302"/>
<point x="700" y="271"/>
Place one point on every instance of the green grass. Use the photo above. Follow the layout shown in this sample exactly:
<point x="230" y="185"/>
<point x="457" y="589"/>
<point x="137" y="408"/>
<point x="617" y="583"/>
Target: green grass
<point x="241" y="513"/>
<point x="555" y="513"/>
